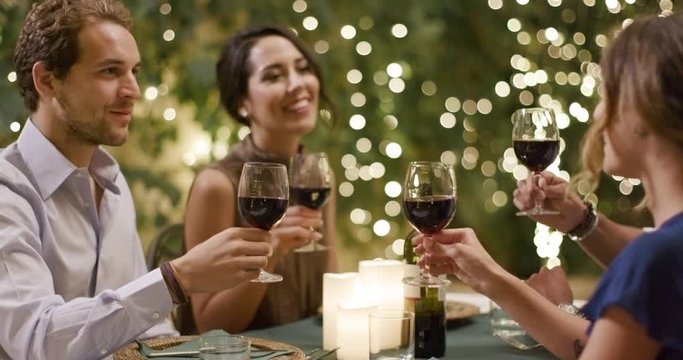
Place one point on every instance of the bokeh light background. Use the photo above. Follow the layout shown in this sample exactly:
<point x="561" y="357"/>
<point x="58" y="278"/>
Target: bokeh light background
<point x="412" y="80"/>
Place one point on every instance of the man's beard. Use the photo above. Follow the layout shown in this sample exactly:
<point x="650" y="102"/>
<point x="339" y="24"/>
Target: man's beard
<point x="80" y="129"/>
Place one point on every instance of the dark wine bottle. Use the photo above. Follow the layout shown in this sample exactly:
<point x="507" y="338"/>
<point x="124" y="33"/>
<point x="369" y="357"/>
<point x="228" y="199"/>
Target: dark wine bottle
<point x="409" y="256"/>
<point x="430" y="323"/>
<point x="427" y="302"/>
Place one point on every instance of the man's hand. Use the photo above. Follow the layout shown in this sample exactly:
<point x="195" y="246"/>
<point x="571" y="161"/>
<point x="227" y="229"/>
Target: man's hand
<point x="225" y="260"/>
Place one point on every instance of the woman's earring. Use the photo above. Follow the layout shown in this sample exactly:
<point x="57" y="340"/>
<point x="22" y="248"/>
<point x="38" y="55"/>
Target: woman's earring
<point x="244" y="113"/>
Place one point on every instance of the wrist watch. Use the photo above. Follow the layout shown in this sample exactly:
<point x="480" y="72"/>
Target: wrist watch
<point x="572" y="310"/>
<point x="586" y="226"/>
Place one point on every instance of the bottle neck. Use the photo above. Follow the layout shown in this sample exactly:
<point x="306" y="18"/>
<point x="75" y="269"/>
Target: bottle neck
<point x="409" y="255"/>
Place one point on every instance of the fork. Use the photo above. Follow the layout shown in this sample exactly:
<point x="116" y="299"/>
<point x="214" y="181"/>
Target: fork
<point x="326" y="353"/>
<point x="264" y="353"/>
<point x="311" y="352"/>
<point x="260" y="353"/>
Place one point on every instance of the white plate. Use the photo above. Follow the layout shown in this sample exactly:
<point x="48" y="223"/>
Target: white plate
<point x="471" y="298"/>
<point x="484" y="303"/>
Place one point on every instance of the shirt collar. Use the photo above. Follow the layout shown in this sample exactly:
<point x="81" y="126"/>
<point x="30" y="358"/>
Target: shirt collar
<point x="50" y="168"/>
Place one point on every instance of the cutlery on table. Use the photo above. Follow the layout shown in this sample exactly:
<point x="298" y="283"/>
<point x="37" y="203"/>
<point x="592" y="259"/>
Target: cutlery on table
<point x="173" y="353"/>
<point x="317" y="357"/>
<point x="255" y="354"/>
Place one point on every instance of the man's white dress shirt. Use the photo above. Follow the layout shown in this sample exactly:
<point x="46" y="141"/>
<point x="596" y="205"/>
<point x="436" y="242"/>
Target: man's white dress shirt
<point x="73" y="281"/>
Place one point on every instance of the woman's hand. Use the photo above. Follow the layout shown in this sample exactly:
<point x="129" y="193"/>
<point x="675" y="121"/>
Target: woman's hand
<point x="458" y="252"/>
<point x="552" y="284"/>
<point x="556" y="195"/>
<point x="297" y="228"/>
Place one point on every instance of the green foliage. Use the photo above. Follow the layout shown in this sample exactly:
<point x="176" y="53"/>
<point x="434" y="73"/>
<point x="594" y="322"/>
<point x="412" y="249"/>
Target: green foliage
<point x="460" y="48"/>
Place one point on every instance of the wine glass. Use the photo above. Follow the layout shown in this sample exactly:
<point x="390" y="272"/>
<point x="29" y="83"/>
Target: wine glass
<point x="310" y="182"/>
<point x="262" y="200"/>
<point x="536" y="141"/>
<point x="429" y="205"/>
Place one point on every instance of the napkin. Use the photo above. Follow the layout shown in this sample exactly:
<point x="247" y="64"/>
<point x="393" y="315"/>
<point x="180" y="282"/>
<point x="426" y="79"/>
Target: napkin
<point x="256" y="353"/>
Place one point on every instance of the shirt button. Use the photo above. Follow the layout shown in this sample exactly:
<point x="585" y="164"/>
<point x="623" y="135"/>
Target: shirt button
<point x="103" y="351"/>
<point x="155" y="315"/>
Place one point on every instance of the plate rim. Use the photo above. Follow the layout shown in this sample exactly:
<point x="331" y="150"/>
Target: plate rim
<point x="130" y="351"/>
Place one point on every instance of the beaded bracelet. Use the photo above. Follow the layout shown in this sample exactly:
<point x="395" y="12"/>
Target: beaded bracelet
<point x="174" y="288"/>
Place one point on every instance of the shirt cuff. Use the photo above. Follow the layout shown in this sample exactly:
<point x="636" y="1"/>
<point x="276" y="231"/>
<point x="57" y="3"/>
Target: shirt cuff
<point x="147" y="299"/>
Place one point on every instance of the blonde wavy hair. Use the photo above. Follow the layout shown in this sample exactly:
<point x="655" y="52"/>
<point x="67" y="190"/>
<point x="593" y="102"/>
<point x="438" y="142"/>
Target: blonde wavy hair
<point x="642" y="65"/>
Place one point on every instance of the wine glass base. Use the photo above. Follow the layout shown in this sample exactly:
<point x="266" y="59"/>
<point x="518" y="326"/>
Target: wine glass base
<point x="425" y="281"/>
<point x="312" y="246"/>
<point x="535" y="211"/>
<point x="266" y="277"/>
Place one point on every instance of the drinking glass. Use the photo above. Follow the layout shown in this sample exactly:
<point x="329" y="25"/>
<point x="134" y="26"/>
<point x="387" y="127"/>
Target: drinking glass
<point x="262" y="200"/>
<point x="223" y="347"/>
<point x="536" y="141"/>
<point x="392" y="335"/>
<point x="310" y="182"/>
<point x="429" y="205"/>
<point x="508" y="330"/>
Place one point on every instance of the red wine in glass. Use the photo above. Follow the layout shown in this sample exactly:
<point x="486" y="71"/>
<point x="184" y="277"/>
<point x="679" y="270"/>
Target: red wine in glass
<point x="536" y="142"/>
<point x="431" y="213"/>
<point x="262" y="199"/>
<point x="429" y="205"/>
<point x="262" y="212"/>
<point x="313" y="197"/>
<point x="536" y="155"/>
<point x="310" y="181"/>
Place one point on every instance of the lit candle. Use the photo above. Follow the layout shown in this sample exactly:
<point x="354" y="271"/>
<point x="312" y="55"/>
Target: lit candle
<point x="353" y="330"/>
<point x="381" y="283"/>
<point x="336" y="288"/>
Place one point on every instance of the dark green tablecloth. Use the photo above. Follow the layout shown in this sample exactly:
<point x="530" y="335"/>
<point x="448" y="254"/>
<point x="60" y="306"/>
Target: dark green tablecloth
<point x="470" y="339"/>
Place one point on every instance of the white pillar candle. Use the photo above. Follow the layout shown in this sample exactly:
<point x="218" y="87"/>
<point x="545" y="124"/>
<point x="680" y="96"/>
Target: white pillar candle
<point x="336" y="288"/>
<point x="353" y="330"/>
<point x="381" y="283"/>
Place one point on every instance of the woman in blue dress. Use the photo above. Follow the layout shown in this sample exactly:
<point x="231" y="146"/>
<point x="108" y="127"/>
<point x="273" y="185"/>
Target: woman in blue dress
<point x="635" y="311"/>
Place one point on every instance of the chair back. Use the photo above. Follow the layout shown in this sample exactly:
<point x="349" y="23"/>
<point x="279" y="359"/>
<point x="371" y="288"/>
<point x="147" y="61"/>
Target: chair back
<point x="168" y="245"/>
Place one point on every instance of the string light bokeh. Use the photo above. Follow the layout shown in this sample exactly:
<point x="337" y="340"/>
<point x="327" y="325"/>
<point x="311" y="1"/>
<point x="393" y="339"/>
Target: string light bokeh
<point x="412" y="81"/>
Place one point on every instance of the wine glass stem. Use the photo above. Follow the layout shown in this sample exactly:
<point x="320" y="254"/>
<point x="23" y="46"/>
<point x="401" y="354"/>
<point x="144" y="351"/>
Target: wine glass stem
<point x="538" y="201"/>
<point x="424" y="271"/>
<point x="315" y="243"/>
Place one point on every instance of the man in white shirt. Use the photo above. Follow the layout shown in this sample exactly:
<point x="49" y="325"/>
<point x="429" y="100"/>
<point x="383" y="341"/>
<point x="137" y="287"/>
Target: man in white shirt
<point x="73" y="281"/>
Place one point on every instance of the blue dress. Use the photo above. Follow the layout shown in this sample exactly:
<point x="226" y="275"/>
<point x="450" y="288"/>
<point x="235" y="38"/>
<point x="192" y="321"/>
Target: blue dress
<point x="646" y="280"/>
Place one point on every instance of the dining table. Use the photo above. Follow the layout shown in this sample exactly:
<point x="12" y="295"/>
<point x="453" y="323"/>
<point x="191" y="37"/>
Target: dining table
<point x="469" y="338"/>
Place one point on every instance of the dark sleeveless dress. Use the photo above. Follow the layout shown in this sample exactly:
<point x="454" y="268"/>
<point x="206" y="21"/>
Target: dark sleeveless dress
<point x="299" y="295"/>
